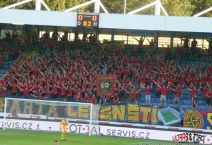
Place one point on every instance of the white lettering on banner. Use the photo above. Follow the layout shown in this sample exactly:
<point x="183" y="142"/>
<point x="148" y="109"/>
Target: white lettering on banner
<point x="175" y="136"/>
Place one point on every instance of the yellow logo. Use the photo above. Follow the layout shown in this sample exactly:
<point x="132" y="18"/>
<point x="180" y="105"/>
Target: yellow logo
<point x="192" y="119"/>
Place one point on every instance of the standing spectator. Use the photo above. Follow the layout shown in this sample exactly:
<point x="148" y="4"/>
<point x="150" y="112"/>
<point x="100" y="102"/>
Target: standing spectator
<point x="63" y="92"/>
<point x="140" y="42"/>
<point x="194" y="93"/>
<point x="69" y="95"/>
<point x="93" y="99"/>
<point x="208" y="98"/>
<point x="148" y="94"/>
<point x="204" y="92"/>
<point x="151" y="43"/>
<point x="55" y="90"/>
<point x="163" y="94"/>
<point x="132" y="95"/>
<point x="86" y="98"/>
<point x="186" y="42"/>
<point x="116" y="99"/>
<point x="194" y="44"/>
<point x="177" y="93"/>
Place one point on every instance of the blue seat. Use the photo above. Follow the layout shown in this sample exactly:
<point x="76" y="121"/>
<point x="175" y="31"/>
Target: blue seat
<point x="202" y="103"/>
<point x="155" y="104"/>
<point x="170" y="101"/>
<point x="200" y="97"/>
<point x="153" y="95"/>
<point x="183" y="107"/>
<point x="199" y="108"/>
<point x="170" y="105"/>
<point x="205" y="108"/>
<point x="182" y="102"/>
<point x="188" y="107"/>
<point x="187" y="102"/>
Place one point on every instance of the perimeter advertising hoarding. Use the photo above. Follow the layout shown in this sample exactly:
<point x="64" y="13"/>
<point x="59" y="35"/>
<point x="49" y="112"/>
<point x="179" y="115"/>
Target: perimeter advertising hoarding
<point x="130" y="132"/>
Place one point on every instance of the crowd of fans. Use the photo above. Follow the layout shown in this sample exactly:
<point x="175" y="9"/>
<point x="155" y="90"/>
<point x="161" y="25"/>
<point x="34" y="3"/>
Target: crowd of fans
<point x="67" y="70"/>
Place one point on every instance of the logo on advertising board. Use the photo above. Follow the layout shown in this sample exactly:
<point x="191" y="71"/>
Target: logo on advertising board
<point x="192" y="138"/>
<point x="193" y="119"/>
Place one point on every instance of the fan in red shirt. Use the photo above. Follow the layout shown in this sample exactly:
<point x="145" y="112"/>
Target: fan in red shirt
<point x="3" y="90"/>
<point x="86" y="98"/>
<point x="26" y="91"/>
<point x="14" y="89"/>
<point x="204" y="92"/>
<point x="38" y="94"/>
<point x="78" y="96"/>
<point x="148" y="94"/>
<point x="193" y="90"/>
<point x="93" y="99"/>
<point x="163" y="94"/>
<point x="177" y="93"/>
<point x="194" y="93"/>
<point x="55" y="90"/>
<point x="116" y="98"/>
<point x="69" y="95"/>
<point x="62" y="92"/>
<point x="133" y="95"/>
<point x="79" y="91"/>
<point x="208" y="98"/>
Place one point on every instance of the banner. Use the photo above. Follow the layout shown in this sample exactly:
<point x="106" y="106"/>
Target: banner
<point x="108" y="130"/>
<point x="119" y="113"/>
<point x="105" y="85"/>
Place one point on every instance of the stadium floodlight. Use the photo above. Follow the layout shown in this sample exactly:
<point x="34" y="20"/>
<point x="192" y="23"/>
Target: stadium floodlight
<point x="44" y="115"/>
<point x="125" y="5"/>
<point x="203" y="12"/>
<point x="79" y="6"/>
<point x="17" y="4"/>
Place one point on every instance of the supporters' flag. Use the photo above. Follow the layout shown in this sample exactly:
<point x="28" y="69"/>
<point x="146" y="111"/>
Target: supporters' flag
<point x="74" y="108"/>
<point x="105" y="85"/>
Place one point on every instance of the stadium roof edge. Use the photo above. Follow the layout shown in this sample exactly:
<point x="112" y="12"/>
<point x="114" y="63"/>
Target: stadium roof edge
<point x="108" y="21"/>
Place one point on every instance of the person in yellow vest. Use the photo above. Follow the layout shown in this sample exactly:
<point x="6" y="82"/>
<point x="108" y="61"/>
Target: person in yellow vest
<point x="63" y="125"/>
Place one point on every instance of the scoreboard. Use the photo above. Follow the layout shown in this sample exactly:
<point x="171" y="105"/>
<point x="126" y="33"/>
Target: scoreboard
<point x="88" y="20"/>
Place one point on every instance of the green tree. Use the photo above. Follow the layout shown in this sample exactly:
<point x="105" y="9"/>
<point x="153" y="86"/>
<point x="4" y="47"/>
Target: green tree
<point x="201" y="5"/>
<point x="173" y="7"/>
<point x="178" y="7"/>
<point x="117" y="6"/>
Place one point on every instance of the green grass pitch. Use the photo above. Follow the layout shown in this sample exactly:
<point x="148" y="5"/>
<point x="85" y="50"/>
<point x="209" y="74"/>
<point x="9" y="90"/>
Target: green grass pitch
<point x="26" y="137"/>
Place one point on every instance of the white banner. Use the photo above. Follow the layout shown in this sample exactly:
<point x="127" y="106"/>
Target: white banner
<point x="176" y="136"/>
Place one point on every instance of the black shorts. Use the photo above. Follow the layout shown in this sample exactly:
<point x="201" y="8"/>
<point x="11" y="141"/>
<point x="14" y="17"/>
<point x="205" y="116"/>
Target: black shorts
<point x="208" y="101"/>
<point x="194" y="105"/>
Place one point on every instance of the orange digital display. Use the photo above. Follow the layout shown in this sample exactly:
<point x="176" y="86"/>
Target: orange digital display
<point x="87" y="20"/>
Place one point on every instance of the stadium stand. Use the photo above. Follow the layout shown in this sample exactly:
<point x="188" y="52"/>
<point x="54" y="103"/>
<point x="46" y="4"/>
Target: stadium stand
<point x="52" y="67"/>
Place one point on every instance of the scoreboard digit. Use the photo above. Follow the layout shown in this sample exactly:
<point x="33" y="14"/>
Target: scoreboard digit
<point x="87" y="20"/>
